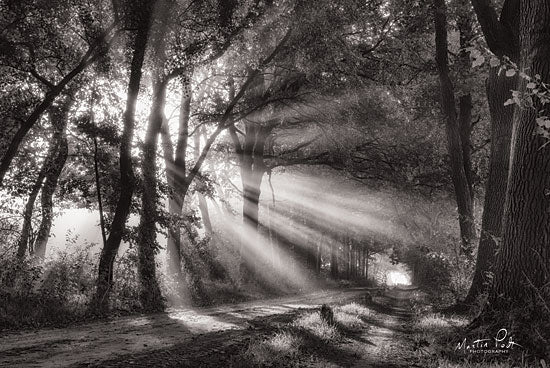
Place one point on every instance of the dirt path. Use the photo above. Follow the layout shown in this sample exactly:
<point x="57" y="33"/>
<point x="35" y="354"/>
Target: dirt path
<point x="387" y="343"/>
<point x="140" y="341"/>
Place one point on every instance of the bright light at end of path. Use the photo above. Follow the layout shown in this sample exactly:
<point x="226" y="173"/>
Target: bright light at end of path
<point x="398" y="278"/>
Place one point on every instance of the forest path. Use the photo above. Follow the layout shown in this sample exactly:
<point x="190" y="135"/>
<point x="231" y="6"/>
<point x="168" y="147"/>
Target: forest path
<point x="388" y="341"/>
<point x="99" y="343"/>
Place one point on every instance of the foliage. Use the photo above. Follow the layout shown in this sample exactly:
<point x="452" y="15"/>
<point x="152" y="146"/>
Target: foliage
<point x="51" y="293"/>
<point x="445" y="280"/>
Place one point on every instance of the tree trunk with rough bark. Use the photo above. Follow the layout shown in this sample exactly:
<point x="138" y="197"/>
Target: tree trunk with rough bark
<point x="521" y="268"/>
<point x="253" y="168"/>
<point x="463" y="194"/>
<point x="203" y="204"/>
<point x="174" y="233"/>
<point x="47" y="182"/>
<point x="178" y="181"/>
<point x="150" y="294"/>
<point x="26" y="231"/>
<point x="110" y="250"/>
<point x="59" y="121"/>
<point x="498" y="90"/>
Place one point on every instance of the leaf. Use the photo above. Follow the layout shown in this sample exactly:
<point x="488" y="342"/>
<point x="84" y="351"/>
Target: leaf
<point x="543" y="121"/>
<point x="494" y="62"/>
<point x="531" y="85"/>
<point x="478" y="61"/>
<point x="510" y="72"/>
<point x="509" y="102"/>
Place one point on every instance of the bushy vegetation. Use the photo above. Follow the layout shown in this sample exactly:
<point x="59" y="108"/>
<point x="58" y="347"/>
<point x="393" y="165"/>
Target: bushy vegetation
<point x="446" y="280"/>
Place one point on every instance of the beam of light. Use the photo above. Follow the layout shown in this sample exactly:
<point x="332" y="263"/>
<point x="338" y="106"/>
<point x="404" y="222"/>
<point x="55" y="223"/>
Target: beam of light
<point x="348" y="196"/>
<point x="345" y="219"/>
<point x="258" y="250"/>
<point x="300" y="234"/>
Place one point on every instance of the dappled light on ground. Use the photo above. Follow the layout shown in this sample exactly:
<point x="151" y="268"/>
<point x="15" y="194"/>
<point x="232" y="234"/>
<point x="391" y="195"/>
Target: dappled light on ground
<point x="197" y="322"/>
<point x="96" y="342"/>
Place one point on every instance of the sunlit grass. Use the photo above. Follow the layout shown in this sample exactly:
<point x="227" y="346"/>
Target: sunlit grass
<point x="304" y="337"/>
<point x="314" y="324"/>
<point x="354" y="309"/>
<point x="282" y="345"/>
<point x="436" y="321"/>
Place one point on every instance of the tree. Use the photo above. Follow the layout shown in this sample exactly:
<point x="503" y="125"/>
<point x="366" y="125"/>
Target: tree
<point x="16" y="47"/>
<point x="143" y="14"/>
<point x="46" y="182"/>
<point x="60" y="117"/>
<point x="502" y="37"/>
<point x="458" y="126"/>
<point x="150" y="295"/>
<point x="521" y="272"/>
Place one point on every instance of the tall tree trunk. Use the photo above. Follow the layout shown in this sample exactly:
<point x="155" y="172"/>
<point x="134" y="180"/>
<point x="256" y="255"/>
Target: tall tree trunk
<point x="26" y="231"/>
<point x="273" y="240"/>
<point x="318" y="259"/>
<point x="205" y="214"/>
<point x="179" y="181"/>
<point x="334" y="260"/>
<point x="366" y="263"/>
<point x="454" y="143"/>
<point x="347" y="250"/>
<point x="150" y="294"/>
<point x="363" y="261"/>
<point x="59" y="121"/>
<point x="98" y="193"/>
<point x="521" y="267"/>
<point x="352" y="259"/>
<point x="498" y="89"/>
<point x="203" y="204"/>
<point x="174" y="209"/>
<point x="110" y="250"/>
<point x="50" y="170"/>
<point x="465" y="105"/>
<point x="252" y="171"/>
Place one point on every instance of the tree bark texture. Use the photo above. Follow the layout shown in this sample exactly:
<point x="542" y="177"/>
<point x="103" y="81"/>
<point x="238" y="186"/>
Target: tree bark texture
<point x="521" y="267"/>
<point x="498" y="90"/>
<point x="127" y="181"/>
<point x="60" y="118"/>
<point x="455" y="149"/>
